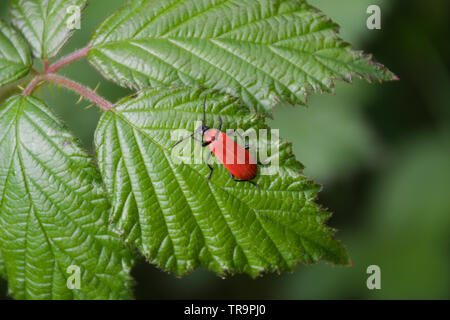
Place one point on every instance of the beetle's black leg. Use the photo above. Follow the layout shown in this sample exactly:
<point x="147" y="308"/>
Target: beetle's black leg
<point x="253" y="183"/>
<point x="209" y="166"/>
<point x="210" y="171"/>
<point x="220" y="124"/>
<point x="238" y="180"/>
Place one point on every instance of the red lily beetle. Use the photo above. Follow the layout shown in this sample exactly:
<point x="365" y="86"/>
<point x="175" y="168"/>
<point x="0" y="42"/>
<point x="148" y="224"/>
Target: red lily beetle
<point x="235" y="158"/>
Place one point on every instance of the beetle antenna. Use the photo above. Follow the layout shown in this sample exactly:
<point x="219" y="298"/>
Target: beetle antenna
<point x="220" y="123"/>
<point x="185" y="138"/>
<point x="181" y="140"/>
<point x="204" y="112"/>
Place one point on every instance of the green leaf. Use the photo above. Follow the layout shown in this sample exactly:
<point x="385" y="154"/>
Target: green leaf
<point x="179" y="219"/>
<point x="261" y="50"/>
<point x="53" y="211"/>
<point x="44" y="23"/>
<point x="2" y="266"/>
<point x="15" y="57"/>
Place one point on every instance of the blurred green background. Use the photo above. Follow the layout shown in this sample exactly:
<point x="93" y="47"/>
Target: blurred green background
<point x="382" y="153"/>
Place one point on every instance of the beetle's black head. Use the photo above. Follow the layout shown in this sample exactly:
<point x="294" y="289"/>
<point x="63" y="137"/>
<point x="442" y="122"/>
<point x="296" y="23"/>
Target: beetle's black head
<point x="204" y="129"/>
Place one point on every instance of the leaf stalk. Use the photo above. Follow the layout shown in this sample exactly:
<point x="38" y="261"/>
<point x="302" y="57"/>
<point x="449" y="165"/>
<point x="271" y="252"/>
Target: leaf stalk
<point x="49" y="76"/>
<point x="67" y="60"/>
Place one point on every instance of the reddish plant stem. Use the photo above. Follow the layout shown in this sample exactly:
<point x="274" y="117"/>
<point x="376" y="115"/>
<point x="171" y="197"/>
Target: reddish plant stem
<point x="50" y="76"/>
<point x="67" y="60"/>
<point x="46" y="64"/>
<point x="81" y="90"/>
<point x="71" y="85"/>
<point x="33" y="84"/>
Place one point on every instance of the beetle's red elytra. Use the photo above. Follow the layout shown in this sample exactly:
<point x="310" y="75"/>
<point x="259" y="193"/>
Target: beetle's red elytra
<point x="236" y="159"/>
